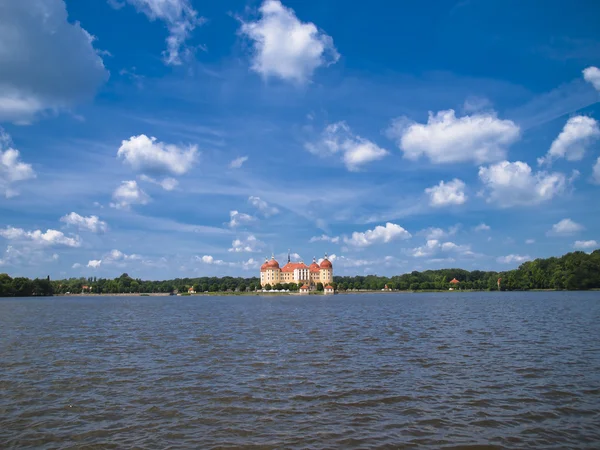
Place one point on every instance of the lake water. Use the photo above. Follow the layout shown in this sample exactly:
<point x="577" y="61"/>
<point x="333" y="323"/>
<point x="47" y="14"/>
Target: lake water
<point x="472" y="370"/>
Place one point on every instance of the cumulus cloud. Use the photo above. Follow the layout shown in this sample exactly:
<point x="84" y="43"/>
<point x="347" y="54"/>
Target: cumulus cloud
<point x="482" y="227"/>
<point x="592" y="75"/>
<point x="12" y="169"/>
<point x="355" y="151"/>
<point x="263" y="206"/>
<point x="509" y="259"/>
<point x="434" y="246"/>
<point x="445" y="138"/>
<point x="438" y="233"/>
<point x="530" y="241"/>
<point x="514" y="183"/>
<point x="237" y="218"/>
<point x="286" y="48"/>
<point x="208" y="259"/>
<point x="180" y="18"/>
<point x="585" y="245"/>
<point x="127" y="194"/>
<point x="450" y="193"/>
<point x="238" y="162"/>
<point x="48" y="62"/>
<point x="565" y="227"/>
<point x="91" y="223"/>
<point x="378" y="235"/>
<point x="49" y="238"/>
<point x="576" y="137"/>
<point x="145" y="154"/>
<point x="115" y="257"/>
<point x="325" y="238"/>
<point x="168" y="184"/>
<point x="248" y="244"/>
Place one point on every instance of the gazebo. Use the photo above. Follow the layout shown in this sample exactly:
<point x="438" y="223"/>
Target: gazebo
<point x="454" y="282"/>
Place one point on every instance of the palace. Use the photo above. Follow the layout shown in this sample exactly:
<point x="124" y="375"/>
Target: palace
<point x="296" y="272"/>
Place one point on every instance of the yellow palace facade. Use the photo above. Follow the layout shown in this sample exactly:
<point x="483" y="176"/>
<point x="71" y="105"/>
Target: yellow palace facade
<point x="296" y="272"/>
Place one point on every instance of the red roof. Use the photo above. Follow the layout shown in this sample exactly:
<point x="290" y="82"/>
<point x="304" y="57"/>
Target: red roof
<point x="304" y="287"/>
<point x="314" y="267"/>
<point x="454" y="281"/>
<point x="291" y="266"/>
<point x="326" y="264"/>
<point x="329" y="287"/>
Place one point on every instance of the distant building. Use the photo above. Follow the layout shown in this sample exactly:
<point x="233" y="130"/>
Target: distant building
<point x="329" y="289"/>
<point x="454" y="282"/>
<point x="305" y="289"/>
<point x="296" y="272"/>
<point x="191" y="290"/>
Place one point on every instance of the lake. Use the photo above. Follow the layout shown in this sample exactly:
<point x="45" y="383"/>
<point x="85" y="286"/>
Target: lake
<point x="455" y="370"/>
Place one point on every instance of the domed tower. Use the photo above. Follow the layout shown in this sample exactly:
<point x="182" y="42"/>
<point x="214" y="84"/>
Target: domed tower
<point x="270" y="272"/>
<point x="326" y="270"/>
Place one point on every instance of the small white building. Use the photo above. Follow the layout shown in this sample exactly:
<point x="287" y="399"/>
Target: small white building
<point x="304" y="289"/>
<point x="329" y="290"/>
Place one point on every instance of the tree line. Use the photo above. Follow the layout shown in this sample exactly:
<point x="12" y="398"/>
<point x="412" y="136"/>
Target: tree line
<point x="573" y="271"/>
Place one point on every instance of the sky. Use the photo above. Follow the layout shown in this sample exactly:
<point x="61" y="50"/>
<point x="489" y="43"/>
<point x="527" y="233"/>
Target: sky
<point x="187" y="138"/>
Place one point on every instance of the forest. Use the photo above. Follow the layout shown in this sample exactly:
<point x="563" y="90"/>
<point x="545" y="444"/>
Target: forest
<point x="573" y="271"/>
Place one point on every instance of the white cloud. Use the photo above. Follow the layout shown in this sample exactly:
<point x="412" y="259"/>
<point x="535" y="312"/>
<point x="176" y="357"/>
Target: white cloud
<point x="482" y="227"/>
<point x="480" y="138"/>
<point x="596" y="172"/>
<point x="585" y="245"/>
<point x="76" y="266"/>
<point x="50" y="237"/>
<point x="577" y="135"/>
<point x="127" y="194"/>
<point x="286" y="48"/>
<point x="378" y="235"/>
<point x="513" y="259"/>
<point x="250" y="264"/>
<point x="168" y="184"/>
<point x="115" y="257"/>
<point x="237" y="218"/>
<point x="263" y="206"/>
<point x="450" y="193"/>
<point x="48" y="61"/>
<point x="565" y="227"/>
<point x="145" y="154"/>
<point x="208" y="259"/>
<point x="325" y="238"/>
<point x="249" y="245"/>
<point x="91" y="223"/>
<point x="530" y="241"/>
<point x="434" y="246"/>
<point x="513" y="184"/>
<point x="238" y="162"/>
<point x="592" y="75"/>
<point x="180" y="18"/>
<point x="355" y="150"/>
<point x="438" y="233"/>
<point x="12" y="169"/>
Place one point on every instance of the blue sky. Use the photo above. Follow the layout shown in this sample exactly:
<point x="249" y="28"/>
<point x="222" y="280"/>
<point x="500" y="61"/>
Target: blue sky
<point x="174" y="138"/>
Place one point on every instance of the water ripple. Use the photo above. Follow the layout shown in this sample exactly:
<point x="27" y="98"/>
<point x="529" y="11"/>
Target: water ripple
<point x="460" y="371"/>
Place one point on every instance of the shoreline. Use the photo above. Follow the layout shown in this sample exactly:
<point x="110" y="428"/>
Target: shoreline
<point x="278" y="294"/>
